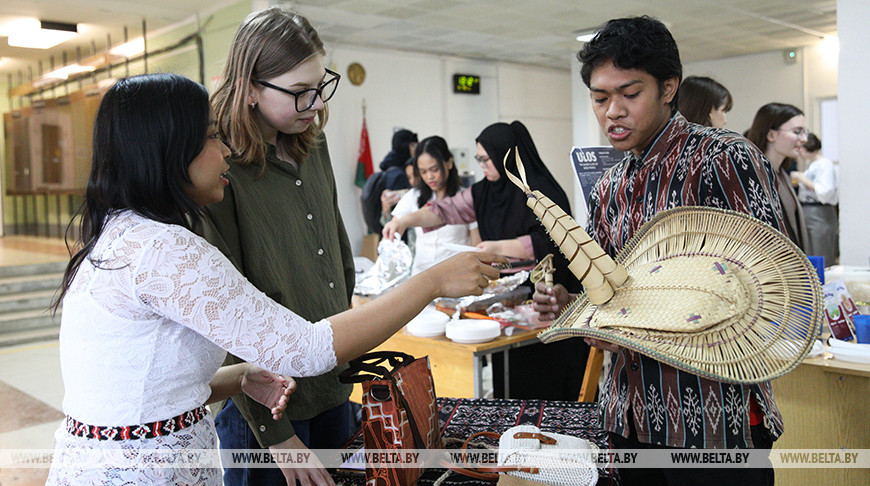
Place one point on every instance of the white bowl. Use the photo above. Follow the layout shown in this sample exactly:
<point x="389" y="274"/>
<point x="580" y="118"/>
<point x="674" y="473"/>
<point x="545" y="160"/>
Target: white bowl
<point x="471" y="331"/>
<point x="429" y="323"/>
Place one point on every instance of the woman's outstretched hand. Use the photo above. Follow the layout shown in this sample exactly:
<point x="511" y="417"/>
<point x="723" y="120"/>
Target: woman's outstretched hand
<point x="362" y="328"/>
<point x="464" y="274"/>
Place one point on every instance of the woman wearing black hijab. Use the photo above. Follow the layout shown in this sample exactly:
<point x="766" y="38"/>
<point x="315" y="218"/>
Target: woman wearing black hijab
<point x="508" y="227"/>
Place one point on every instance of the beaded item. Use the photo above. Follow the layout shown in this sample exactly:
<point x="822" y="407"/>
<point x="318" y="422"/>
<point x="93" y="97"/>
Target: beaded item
<point x="132" y="432"/>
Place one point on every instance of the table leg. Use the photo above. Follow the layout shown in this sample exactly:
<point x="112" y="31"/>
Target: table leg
<point x="507" y="367"/>
<point x="477" y="369"/>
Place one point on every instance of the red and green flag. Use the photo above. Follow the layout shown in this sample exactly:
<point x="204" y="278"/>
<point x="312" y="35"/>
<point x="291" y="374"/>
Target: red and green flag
<point x="364" y="166"/>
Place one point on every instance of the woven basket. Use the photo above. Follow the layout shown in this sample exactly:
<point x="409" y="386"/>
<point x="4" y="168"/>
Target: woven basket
<point x="567" y="461"/>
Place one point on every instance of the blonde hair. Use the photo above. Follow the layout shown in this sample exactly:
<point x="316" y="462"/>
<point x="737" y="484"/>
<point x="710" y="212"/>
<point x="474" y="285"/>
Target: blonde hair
<point x="268" y="43"/>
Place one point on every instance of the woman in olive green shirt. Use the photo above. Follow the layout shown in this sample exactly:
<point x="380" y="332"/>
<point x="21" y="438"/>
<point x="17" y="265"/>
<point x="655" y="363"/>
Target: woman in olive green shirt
<point x="279" y="221"/>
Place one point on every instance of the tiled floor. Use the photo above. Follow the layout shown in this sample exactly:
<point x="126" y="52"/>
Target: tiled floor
<point x="22" y="250"/>
<point x="31" y="388"/>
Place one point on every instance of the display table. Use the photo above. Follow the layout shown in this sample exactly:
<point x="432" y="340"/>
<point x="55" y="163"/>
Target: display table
<point x="825" y="404"/>
<point x="460" y="418"/>
<point x="456" y="368"/>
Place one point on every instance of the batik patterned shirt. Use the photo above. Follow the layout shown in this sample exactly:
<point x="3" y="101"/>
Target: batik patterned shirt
<point x="686" y="165"/>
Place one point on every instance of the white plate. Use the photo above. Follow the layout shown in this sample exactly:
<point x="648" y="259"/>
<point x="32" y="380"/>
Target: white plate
<point x="849" y="355"/>
<point x="849" y="345"/>
<point x="429" y="323"/>
<point x="472" y="331"/>
<point x="849" y="351"/>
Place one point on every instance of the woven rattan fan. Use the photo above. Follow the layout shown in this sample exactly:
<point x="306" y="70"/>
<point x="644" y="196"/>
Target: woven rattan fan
<point x="715" y="293"/>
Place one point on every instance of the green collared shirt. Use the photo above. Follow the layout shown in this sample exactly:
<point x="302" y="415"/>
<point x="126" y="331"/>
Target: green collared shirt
<point x="282" y="228"/>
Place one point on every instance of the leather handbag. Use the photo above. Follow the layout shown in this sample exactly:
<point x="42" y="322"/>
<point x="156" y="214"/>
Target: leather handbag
<point x="399" y="409"/>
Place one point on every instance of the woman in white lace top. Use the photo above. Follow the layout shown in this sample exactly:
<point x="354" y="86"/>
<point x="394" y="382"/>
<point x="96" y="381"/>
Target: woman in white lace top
<point x="150" y="309"/>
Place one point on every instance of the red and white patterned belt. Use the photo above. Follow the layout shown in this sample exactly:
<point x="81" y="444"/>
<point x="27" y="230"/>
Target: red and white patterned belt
<point x="132" y="432"/>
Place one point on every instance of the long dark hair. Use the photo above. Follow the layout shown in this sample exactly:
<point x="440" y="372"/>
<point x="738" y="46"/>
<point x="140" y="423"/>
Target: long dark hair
<point x="148" y="130"/>
<point x="699" y="95"/>
<point x="437" y="148"/>
<point x="770" y="117"/>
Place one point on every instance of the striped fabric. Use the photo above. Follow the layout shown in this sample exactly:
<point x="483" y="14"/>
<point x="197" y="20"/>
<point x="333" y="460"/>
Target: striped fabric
<point x="686" y="165"/>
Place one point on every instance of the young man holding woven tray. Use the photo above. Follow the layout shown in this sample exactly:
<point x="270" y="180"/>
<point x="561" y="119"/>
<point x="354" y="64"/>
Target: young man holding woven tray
<point x="633" y="70"/>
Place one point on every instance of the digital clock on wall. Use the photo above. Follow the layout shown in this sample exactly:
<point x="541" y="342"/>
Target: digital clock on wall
<point x="466" y="83"/>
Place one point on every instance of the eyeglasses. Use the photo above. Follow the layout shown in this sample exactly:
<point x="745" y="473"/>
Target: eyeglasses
<point x="482" y="160"/>
<point x="305" y="98"/>
<point x="798" y="132"/>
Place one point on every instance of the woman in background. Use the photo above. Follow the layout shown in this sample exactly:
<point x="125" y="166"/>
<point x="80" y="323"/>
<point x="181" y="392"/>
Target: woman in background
<point x="508" y="227"/>
<point x="403" y="142"/>
<point x="409" y="171"/>
<point x="818" y="194"/>
<point x="779" y="130"/>
<point x="437" y="178"/>
<point x="704" y="101"/>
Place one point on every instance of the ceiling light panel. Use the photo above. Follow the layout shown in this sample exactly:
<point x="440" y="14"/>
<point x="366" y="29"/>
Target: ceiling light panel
<point x="35" y="34"/>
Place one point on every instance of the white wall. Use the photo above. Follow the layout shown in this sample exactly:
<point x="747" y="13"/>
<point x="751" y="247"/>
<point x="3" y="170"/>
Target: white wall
<point x="821" y="75"/>
<point x="538" y="98"/>
<point x="414" y="91"/>
<point x="586" y="132"/>
<point x="854" y="105"/>
<point x="753" y="80"/>
<point x="757" y="79"/>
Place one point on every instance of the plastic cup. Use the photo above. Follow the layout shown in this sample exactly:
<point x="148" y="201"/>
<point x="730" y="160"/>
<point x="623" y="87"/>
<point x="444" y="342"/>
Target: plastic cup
<point x="862" y="328"/>
<point x="819" y="263"/>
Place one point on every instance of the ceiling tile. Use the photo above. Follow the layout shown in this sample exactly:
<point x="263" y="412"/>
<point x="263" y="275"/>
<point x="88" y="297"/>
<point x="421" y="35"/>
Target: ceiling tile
<point x="519" y="31"/>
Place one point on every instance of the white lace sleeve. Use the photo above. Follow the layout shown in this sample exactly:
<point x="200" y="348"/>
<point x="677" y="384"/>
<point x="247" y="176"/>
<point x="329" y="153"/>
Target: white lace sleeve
<point x="183" y="278"/>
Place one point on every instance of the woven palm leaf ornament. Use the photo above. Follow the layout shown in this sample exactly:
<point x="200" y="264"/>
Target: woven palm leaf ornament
<point x="599" y="274"/>
<point x="712" y="292"/>
<point x="544" y="270"/>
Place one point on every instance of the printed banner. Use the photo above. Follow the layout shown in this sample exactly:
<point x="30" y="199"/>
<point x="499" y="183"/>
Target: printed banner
<point x="591" y="162"/>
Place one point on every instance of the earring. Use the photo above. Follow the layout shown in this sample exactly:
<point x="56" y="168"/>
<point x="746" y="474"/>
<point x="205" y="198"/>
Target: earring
<point x="253" y="104"/>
